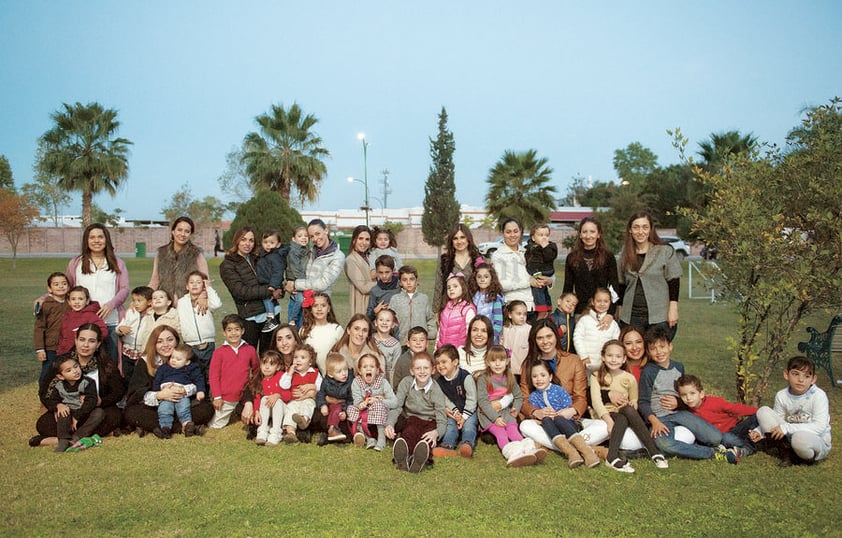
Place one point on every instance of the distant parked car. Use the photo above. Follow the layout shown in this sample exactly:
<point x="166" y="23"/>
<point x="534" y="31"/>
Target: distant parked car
<point x="678" y="244"/>
<point x="489" y="247"/>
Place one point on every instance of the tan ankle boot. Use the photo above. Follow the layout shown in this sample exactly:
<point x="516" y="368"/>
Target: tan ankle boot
<point x="600" y="451"/>
<point x="540" y="452"/>
<point x="573" y="458"/>
<point x="591" y="459"/>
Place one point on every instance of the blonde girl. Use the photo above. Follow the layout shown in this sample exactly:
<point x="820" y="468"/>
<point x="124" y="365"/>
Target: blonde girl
<point x="487" y="295"/>
<point x="373" y="398"/>
<point x="455" y="313"/>
<point x="389" y="346"/>
<point x="319" y="328"/>
<point x="588" y="338"/>
<point x="269" y="405"/>
<point x="479" y="337"/>
<point x="515" y="335"/>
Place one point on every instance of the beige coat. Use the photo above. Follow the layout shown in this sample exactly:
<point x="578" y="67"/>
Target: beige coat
<point x="359" y="276"/>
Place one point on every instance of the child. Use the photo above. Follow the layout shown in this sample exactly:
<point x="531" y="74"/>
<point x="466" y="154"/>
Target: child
<point x="389" y="346"/>
<point x="373" y="397"/>
<point x="231" y="365"/>
<point x="493" y="384"/>
<point x="472" y="354"/>
<point x="412" y="308"/>
<point x="296" y="268"/>
<point x="73" y="401"/>
<point x="299" y="411"/>
<point x="720" y="413"/>
<point x="179" y="371"/>
<point x="384" y="244"/>
<point x="423" y="403"/>
<point x="659" y="405"/>
<point x="613" y="375"/>
<point x="271" y="266"/>
<point x="48" y="321"/>
<point x="269" y="407"/>
<point x="487" y="296"/>
<point x="82" y="310"/>
<point x="320" y="328"/>
<point x="515" y="335"/>
<point x="198" y="330"/>
<point x="460" y="391"/>
<point x="800" y="421"/>
<point x="385" y="287"/>
<point x="564" y="318"/>
<point x="161" y="312"/>
<point x="416" y="342"/>
<point x="129" y="329"/>
<point x="456" y="313"/>
<point x="334" y="397"/>
<point x="588" y="339"/>
<point x="540" y="262"/>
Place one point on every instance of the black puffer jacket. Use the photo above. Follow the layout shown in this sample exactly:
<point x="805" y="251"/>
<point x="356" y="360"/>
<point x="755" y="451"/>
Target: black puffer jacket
<point x="240" y="278"/>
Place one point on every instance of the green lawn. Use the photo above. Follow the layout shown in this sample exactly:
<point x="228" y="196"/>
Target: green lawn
<point x="220" y="484"/>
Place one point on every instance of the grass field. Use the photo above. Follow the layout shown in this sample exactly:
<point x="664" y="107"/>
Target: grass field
<point x="221" y="485"/>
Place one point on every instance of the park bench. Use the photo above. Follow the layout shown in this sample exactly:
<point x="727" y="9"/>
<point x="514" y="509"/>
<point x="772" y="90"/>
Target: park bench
<point x="820" y="347"/>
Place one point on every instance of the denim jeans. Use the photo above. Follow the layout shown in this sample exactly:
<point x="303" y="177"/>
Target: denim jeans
<point x="469" y="432"/>
<point x="180" y="408"/>
<point x="738" y="435"/>
<point x="203" y="356"/>
<point x="559" y="426"/>
<point x="707" y="436"/>
<point x="295" y="310"/>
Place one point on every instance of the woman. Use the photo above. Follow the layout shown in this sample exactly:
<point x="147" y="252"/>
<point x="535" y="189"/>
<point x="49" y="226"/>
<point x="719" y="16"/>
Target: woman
<point x="177" y="259"/>
<point x="142" y="402"/>
<point x="590" y="266"/>
<point x="97" y="365"/>
<point x="238" y="273"/>
<point x="357" y="341"/>
<point x="510" y="264"/>
<point x="357" y="269"/>
<point x="325" y="263"/>
<point x="650" y="274"/>
<point x="461" y="256"/>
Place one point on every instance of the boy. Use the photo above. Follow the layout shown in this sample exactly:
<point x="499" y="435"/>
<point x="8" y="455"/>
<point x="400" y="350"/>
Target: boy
<point x="299" y="411"/>
<point x="230" y="367"/>
<point x="720" y="413"/>
<point x="460" y="392"/>
<point x="271" y="266"/>
<point x="416" y="341"/>
<point x="385" y="288"/>
<point x="659" y="405"/>
<point x="73" y="401"/>
<point x="540" y="263"/>
<point x="198" y="330"/>
<point x="333" y="397"/>
<point x="565" y="319"/>
<point x="182" y="372"/>
<point x="423" y="403"/>
<point x="800" y="422"/>
<point x="129" y="329"/>
<point x="411" y="307"/>
<point x="296" y="268"/>
<point x="48" y="321"/>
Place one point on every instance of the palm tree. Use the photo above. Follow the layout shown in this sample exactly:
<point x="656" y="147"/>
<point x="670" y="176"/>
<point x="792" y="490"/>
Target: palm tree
<point x="82" y="150"/>
<point x="286" y="153"/>
<point x="715" y="152"/>
<point x="519" y="187"/>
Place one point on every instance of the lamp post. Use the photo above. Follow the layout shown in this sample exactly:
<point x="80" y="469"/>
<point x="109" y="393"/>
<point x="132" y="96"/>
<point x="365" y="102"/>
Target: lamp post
<point x="361" y="137"/>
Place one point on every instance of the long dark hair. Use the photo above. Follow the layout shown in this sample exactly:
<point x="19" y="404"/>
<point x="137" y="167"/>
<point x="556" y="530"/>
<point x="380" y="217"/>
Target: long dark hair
<point x="629" y="258"/>
<point x="533" y="354"/>
<point x="447" y="259"/>
<point x="235" y="241"/>
<point x="308" y="322"/>
<point x="600" y="253"/>
<point x="356" y="233"/>
<point x="110" y="256"/>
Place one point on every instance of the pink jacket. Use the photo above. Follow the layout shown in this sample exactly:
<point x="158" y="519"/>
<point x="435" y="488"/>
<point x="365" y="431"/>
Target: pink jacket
<point x="72" y="320"/>
<point x="453" y="323"/>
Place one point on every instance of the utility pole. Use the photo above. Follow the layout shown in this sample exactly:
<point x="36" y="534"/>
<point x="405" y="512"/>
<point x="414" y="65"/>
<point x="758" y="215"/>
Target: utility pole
<point x="386" y="188"/>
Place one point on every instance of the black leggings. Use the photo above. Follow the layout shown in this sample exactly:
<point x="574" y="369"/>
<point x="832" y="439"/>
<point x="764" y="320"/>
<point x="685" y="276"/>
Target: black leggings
<point x="629" y="417"/>
<point x="112" y="417"/>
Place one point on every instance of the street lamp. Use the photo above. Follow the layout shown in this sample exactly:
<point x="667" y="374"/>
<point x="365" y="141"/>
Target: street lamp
<point x="365" y="208"/>
<point x="361" y="137"/>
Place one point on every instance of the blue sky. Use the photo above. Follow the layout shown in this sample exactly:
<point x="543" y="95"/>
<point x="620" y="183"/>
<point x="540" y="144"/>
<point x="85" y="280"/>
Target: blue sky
<point x="574" y="80"/>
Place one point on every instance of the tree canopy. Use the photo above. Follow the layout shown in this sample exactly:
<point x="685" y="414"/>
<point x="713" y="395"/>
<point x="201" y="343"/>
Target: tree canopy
<point x="266" y="210"/>
<point x="441" y="209"/>
<point x="18" y="213"/>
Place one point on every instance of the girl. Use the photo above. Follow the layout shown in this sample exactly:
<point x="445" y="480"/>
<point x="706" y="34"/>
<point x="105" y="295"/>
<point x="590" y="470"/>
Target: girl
<point x="487" y="295"/>
<point x="384" y="243"/>
<point x="456" y="313"/>
<point x="613" y="375"/>
<point x="320" y="328"/>
<point x="472" y="354"/>
<point x="389" y="346"/>
<point x="268" y="403"/>
<point x="498" y="400"/>
<point x="299" y="411"/>
<point x="373" y="398"/>
<point x="559" y="426"/>
<point x="160" y="313"/>
<point x="515" y="335"/>
<point x="357" y="341"/>
<point x="82" y="310"/>
<point x="588" y="338"/>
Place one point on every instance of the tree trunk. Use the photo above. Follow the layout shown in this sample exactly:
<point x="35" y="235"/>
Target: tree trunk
<point x="87" y="202"/>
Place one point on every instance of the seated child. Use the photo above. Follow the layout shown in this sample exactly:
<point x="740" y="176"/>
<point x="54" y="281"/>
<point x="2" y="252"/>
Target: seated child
<point x="82" y="310"/>
<point x="334" y="397"/>
<point x="182" y="372"/>
<point x="73" y="401"/>
<point x="565" y="319"/>
<point x="373" y="397"/>
<point x="800" y="421"/>
<point x="271" y="266"/>
<point x="269" y="406"/>
<point x="416" y="342"/>
<point x="48" y="321"/>
<point x="129" y="329"/>
<point x="412" y="308"/>
<point x="460" y="391"/>
<point x="297" y="268"/>
<point x="588" y="339"/>
<point x="720" y="413"/>
<point x="385" y="287"/>
<point x="421" y="400"/>
<point x="385" y="244"/>
<point x="231" y="366"/>
<point x="303" y="373"/>
<point x="540" y="262"/>
<point x="197" y="326"/>
<point x="161" y="312"/>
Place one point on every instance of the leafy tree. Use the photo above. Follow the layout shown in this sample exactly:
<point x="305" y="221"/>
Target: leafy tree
<point x="18" y="213"/>
<point x="205" y="212"/>
<point x="668" y="189"/>
<point x="112" y="220"/>
<point x="286" y="154"/>
<point x="519" y="186"/>
<point x="716" y="151"/>
<point x="266" y="210"/>
<point x="46" y="192"/>
<point x="777" y="221"/>
<point x="441" y="209"/>
<point x="83" y="151"/>
<point x="625" y="203"/>
<point x="234" y="182"/>
<point x="7" y="181"/>
<point x="634" y="163"/>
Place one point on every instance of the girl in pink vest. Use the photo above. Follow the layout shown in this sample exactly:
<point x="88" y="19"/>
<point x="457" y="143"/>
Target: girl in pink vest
<point x="456" y="312"/>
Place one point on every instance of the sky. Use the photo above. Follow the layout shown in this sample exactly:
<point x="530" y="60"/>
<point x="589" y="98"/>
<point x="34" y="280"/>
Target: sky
<point x="573" y="80"/>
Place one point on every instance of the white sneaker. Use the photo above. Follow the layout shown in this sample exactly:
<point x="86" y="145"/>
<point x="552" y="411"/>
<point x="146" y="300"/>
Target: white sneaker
<point x="660" y="461"/>
<point x="620" y="466"/>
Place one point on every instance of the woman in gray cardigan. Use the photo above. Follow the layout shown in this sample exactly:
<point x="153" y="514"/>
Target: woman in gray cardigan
<point x="650" y="276"/>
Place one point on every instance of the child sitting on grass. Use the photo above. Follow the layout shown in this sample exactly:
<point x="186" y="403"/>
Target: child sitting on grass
<point x="48" y="321"/>
<point x="373" y="397"/>
<point x="460" y="391"/>
<point x="230" y="369"/>
<point x="334" y="397"/>
<point x="73" y="401"/>
<point x="182" y="372"/>
<point x="299" y="410"/>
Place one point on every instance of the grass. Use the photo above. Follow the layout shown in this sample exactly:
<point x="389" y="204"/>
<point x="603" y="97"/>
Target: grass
<point x="220" y="484"/>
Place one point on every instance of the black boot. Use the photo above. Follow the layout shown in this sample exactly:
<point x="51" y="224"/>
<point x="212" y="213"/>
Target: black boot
<point x="786" y="453"/>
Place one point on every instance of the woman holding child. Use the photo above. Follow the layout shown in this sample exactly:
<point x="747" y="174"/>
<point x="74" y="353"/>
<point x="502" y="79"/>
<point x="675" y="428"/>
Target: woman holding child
<point x="324" y="264"/>
<point x="461" y="256"/>
<point x="357" y="269"/>
<point x="177" y="259"/>
<point x="510" y="263"/>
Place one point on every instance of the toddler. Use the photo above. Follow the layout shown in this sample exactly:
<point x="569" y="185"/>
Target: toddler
<point x="180" y="371"/>
<point x="296" y="268"/>
<point x="271" y="265"/>
<point x="334" y="397"/>
<point x="515" y="335"/>
<point x="73" y="401"/>
<point x="231" y="366"/>
<point x="540" y="262"/>
<point x="385" y="287"/>
<point x="81" y="310"/>
<point x="303" y="374"/>
<point x="197" y="326"/>
<point x="487" y="293"/>
<point x="588" y="339"/>
<point x="460" y="393"/>
<point x="269" y="406"/>
<point x="412" y="308"/>
<point x="384" y="244"/>
<point x="564" y="318"/>
<point x="373" y="398"/>
<point x="456" y="312"/>
<point x="48" y="321"/>
<point x="416" y="342"/>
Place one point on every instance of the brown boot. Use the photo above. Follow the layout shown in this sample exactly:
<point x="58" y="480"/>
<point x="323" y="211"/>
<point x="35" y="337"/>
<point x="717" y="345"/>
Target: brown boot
<point x="600" y="451"/>
<point x="540" y="452"/>
<point x="573" y="458"/>
<point x="591" y="459"/>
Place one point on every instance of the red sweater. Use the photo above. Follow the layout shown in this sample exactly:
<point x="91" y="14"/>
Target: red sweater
<point x="230" y="369"/>
<point x="723" y="414"/>
<point x="295" y="380"/>
<point x="72" y="320"/>
<point x="271" y="385"/>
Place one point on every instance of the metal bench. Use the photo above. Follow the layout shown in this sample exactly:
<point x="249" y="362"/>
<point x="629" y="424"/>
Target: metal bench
<point x="820" y="347"/>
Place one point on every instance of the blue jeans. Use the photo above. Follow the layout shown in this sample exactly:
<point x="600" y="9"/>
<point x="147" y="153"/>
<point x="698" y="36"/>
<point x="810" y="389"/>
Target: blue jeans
<point x="559" y="426"/>
<point x="111" y="343"/>
<point x="51" y="355"/>
<point x="269" y="306"/>
<point x="295" y="310"/>
<point x="469" y="432"/>
<point x="180" y="408"/>
<point x="204" y="358"/>
<point x="707" y="436"/>
<point x="738" y="435"/>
